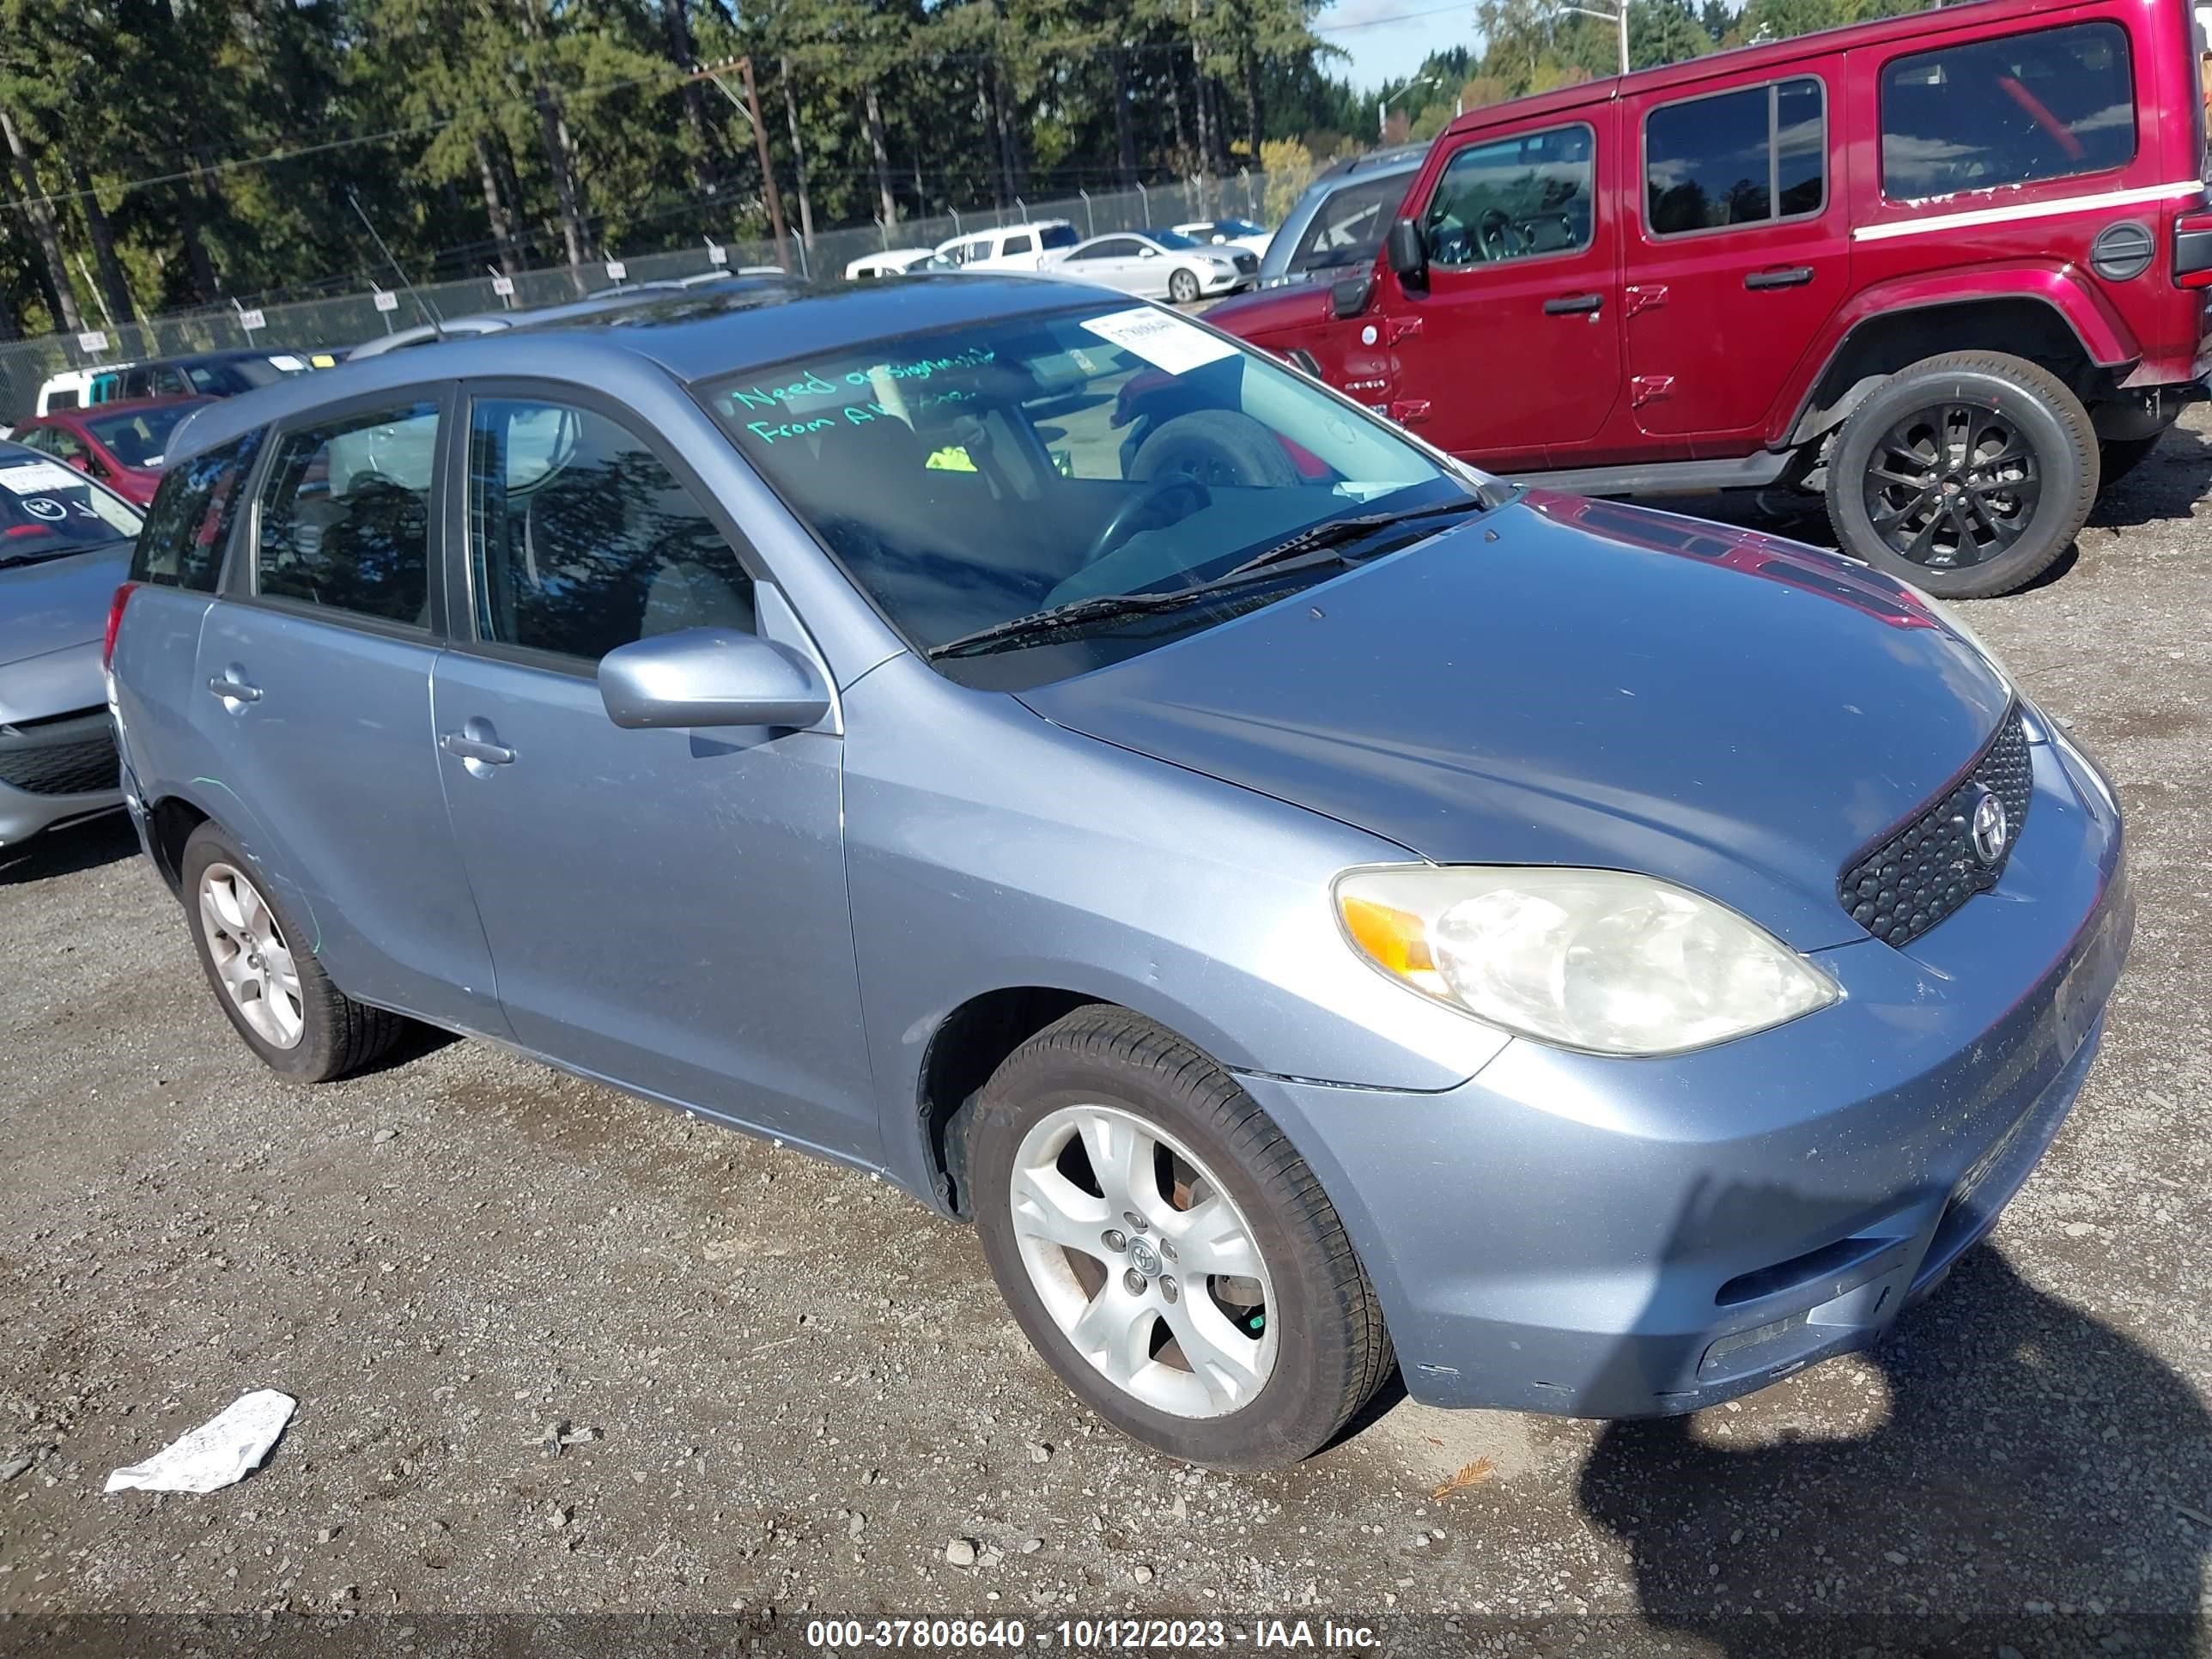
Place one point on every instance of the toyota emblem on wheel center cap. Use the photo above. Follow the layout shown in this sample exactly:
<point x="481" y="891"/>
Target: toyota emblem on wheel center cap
<point x="1143" y="1258"/>
<point x="1988" y="828"/>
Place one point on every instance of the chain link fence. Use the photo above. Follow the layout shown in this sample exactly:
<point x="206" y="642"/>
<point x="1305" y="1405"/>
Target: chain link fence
<point x="342" y="323"/>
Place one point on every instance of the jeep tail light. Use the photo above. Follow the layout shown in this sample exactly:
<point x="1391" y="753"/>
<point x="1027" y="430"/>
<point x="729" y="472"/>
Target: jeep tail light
<point x="114" y="621"/>
<point x="2192" y="249"/>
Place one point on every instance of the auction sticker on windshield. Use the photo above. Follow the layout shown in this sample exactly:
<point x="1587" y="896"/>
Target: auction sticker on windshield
<point x="37" y="478"/>
<point x="1161" y="338"/>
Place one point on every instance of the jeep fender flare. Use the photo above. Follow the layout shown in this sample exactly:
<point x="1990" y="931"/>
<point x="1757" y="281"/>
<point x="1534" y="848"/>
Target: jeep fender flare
<point x="1828" y="387"/>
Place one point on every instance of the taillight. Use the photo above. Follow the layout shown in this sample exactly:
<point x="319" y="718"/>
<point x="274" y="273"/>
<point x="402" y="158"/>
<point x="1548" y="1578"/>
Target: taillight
<point x="2192" y="249"/>
<point x="114" y="621"/>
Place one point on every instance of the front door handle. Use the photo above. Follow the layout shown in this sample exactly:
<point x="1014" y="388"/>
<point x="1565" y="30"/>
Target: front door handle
<point x="463" y="746"/>
<point x="1795" y="276"/>
<point x="232" y="691"/>
<point x="1573" y="305"/>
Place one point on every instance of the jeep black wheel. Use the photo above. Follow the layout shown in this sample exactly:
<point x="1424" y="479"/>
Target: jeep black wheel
<point x="1965" y="475"/>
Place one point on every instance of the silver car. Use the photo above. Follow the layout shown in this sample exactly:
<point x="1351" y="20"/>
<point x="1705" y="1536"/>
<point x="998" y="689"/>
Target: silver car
<point x="64" y="549"/>
<point x="1157" y="264"/>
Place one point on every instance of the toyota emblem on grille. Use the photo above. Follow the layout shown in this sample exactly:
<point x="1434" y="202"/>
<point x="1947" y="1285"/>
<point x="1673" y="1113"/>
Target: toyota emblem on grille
<point x="1988" y="828"/>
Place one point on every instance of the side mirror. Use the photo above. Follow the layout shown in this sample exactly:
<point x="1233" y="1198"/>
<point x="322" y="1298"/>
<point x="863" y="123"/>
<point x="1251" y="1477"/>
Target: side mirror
<point x="710" y="677"/>
<point x="1407" y="253"/>
<point x="1348" y="295"/>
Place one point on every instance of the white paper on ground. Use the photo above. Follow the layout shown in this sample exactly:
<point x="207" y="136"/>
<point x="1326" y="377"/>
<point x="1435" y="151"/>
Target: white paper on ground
<point x="220" y="1452"/>
<point x="1161" y="338"/>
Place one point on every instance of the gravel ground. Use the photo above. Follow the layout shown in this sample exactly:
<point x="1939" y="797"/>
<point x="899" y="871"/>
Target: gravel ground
<point x="788" y="1391"/>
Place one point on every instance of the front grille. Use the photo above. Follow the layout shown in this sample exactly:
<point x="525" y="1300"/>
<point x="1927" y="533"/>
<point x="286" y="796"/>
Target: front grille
<point x="1248" y="263"/>
<point x="1927" y="867"/>
<point x="81" y="768"/>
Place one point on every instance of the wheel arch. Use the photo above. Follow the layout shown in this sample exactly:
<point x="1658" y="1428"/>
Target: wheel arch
<point x="2052" y="322"/>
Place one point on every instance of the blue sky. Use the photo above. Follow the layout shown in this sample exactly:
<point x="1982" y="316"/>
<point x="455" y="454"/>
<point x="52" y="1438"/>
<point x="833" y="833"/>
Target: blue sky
<point x="1388" y="37"/>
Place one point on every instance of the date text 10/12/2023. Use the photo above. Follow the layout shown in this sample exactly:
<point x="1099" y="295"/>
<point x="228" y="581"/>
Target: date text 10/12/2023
<point x="1087" y="1635"/>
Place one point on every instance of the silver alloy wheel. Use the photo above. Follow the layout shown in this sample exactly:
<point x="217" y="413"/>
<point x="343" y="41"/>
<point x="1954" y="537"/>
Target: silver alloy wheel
<point x="1149" y="1249"/>
<point x="250" y="957"/>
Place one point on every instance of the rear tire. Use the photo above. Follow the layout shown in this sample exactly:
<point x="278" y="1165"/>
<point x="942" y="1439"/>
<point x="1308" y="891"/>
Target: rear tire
<point x="1257" y="1368"/>
<point x="261" y="965"/>
<point x="1965" y="475"/>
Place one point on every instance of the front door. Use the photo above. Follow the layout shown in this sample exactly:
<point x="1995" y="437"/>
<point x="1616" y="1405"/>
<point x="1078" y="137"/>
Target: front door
<point x="1739" y="256"/>
<point x="312" y="693"/>
<point x="1510" y="356"/>
<point x="666" y="909"/>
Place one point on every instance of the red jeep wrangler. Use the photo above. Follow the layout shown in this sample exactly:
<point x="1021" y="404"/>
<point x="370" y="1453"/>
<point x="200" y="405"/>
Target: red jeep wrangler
<point x="1950" y="268"/>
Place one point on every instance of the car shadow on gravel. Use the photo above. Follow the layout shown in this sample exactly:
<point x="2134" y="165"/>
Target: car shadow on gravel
<point x="107" y="839"/>
<point x="2041" y="1483"/>
<point x="2167" y="483"/>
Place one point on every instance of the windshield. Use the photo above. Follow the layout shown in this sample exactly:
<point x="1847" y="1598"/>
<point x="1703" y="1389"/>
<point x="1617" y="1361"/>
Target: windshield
<point x="972" y="477"/>
<point x="1346" y="229"/>
<point x="1170" y="239"/>
<point x="47" y="510"/>
<point x="139" y="438"/>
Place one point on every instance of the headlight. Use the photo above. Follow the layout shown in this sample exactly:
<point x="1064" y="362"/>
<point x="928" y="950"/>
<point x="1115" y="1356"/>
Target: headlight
<point x="1590" y="959"/>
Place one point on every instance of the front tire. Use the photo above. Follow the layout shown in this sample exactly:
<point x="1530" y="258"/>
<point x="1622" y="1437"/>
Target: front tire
<point x="1166" y="1250"/>
<point x="1965" y="475"/>
<point x="1182" y="286"/>
<point x="261" y="966"/>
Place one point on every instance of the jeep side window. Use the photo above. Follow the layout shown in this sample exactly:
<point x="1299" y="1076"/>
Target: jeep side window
<point x="1516" y="198"/>
<point x="1736" y="158"/>
<point x="2026" y="108"/>
<point x="189" y="523"/>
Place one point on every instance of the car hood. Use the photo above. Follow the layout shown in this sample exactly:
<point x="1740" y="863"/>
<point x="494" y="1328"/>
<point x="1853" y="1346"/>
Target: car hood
<point x="1564" y="681"/>
<point x="1267" y="311"/>
<point x="52" y="615"/>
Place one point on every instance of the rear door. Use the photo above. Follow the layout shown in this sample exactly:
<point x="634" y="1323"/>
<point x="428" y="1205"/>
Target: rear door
<point x="1510" y="354"/>
<point x="313" y="692"/>
<point x="1740" y="253"/>
<point x="666" y="909"/>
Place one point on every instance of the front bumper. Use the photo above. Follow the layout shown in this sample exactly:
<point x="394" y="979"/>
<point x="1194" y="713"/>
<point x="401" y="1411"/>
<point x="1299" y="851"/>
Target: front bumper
<point x="53" y="771"/>
<point x="1597" y="1237"/>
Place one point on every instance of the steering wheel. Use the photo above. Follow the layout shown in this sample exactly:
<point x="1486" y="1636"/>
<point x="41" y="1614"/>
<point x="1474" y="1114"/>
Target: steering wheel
<point x="1492" y="227"/>
<point x="1129" y="517"/>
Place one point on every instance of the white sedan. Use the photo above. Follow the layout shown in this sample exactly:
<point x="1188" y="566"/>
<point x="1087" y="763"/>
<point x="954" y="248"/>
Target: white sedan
<point x="894" y="262"/>
<point x="1229" y="232"/>
<point x="1157" y="264"/>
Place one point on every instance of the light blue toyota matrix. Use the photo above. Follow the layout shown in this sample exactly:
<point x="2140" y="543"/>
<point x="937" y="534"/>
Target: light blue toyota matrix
<point x="1312" y="907"/>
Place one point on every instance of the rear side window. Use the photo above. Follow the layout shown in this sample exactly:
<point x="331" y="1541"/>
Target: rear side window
<point x="1516" y="198"/>
<point x="345" y="515"/>
<point x="2010" y="112"/>
<point x="580" y="540"/>
<point x="189" y="524"/>
<point x="1738" y="158"/>
<point x="1023" y="243"/>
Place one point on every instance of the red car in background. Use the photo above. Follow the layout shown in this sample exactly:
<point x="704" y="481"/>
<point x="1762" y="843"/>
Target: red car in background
<point x="121" y="445"/>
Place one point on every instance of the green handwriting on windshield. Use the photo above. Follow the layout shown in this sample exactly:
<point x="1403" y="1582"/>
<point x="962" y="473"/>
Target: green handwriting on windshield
<point x="884" y="380"/>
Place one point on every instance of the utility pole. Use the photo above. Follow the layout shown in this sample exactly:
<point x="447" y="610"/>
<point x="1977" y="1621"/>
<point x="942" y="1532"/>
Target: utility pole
<point x="1617" y="18"/>
<point x="750" y="108"/>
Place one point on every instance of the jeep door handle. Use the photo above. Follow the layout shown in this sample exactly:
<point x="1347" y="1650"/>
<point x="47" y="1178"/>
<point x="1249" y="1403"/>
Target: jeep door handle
<point x="1573" y="305"/>
<point x="1795" y="276"/>
<point x="234" y="690"/>
<point x="464" y="747"/>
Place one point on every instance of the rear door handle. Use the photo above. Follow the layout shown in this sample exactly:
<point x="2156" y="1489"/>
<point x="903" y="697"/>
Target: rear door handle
<point x="1795" y="276"/>
<point x="234" y="690"/>
<point x="1573" y="305"/>
<point x="464" y="747"/>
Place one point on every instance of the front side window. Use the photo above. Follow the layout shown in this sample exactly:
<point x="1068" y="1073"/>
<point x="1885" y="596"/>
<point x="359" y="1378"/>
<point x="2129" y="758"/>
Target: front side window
<point x="1514" y="199"/>
<point x="1347" y="228"/>
<point x="344" y="519"/>
<point x="1027" y="498"/>
<point x="188" y="526"/>
<point x="1737" y="158"/>
<point x="2030" y="107"/>
<point x="581" y="540"/>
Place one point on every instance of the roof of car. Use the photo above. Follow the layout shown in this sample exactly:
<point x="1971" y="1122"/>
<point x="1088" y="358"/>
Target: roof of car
<point x="687" y="336"/>
<point x="86" y="412"/>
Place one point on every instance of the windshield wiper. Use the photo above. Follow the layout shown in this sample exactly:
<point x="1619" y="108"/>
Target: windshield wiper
<point x="1316" y="547"/>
